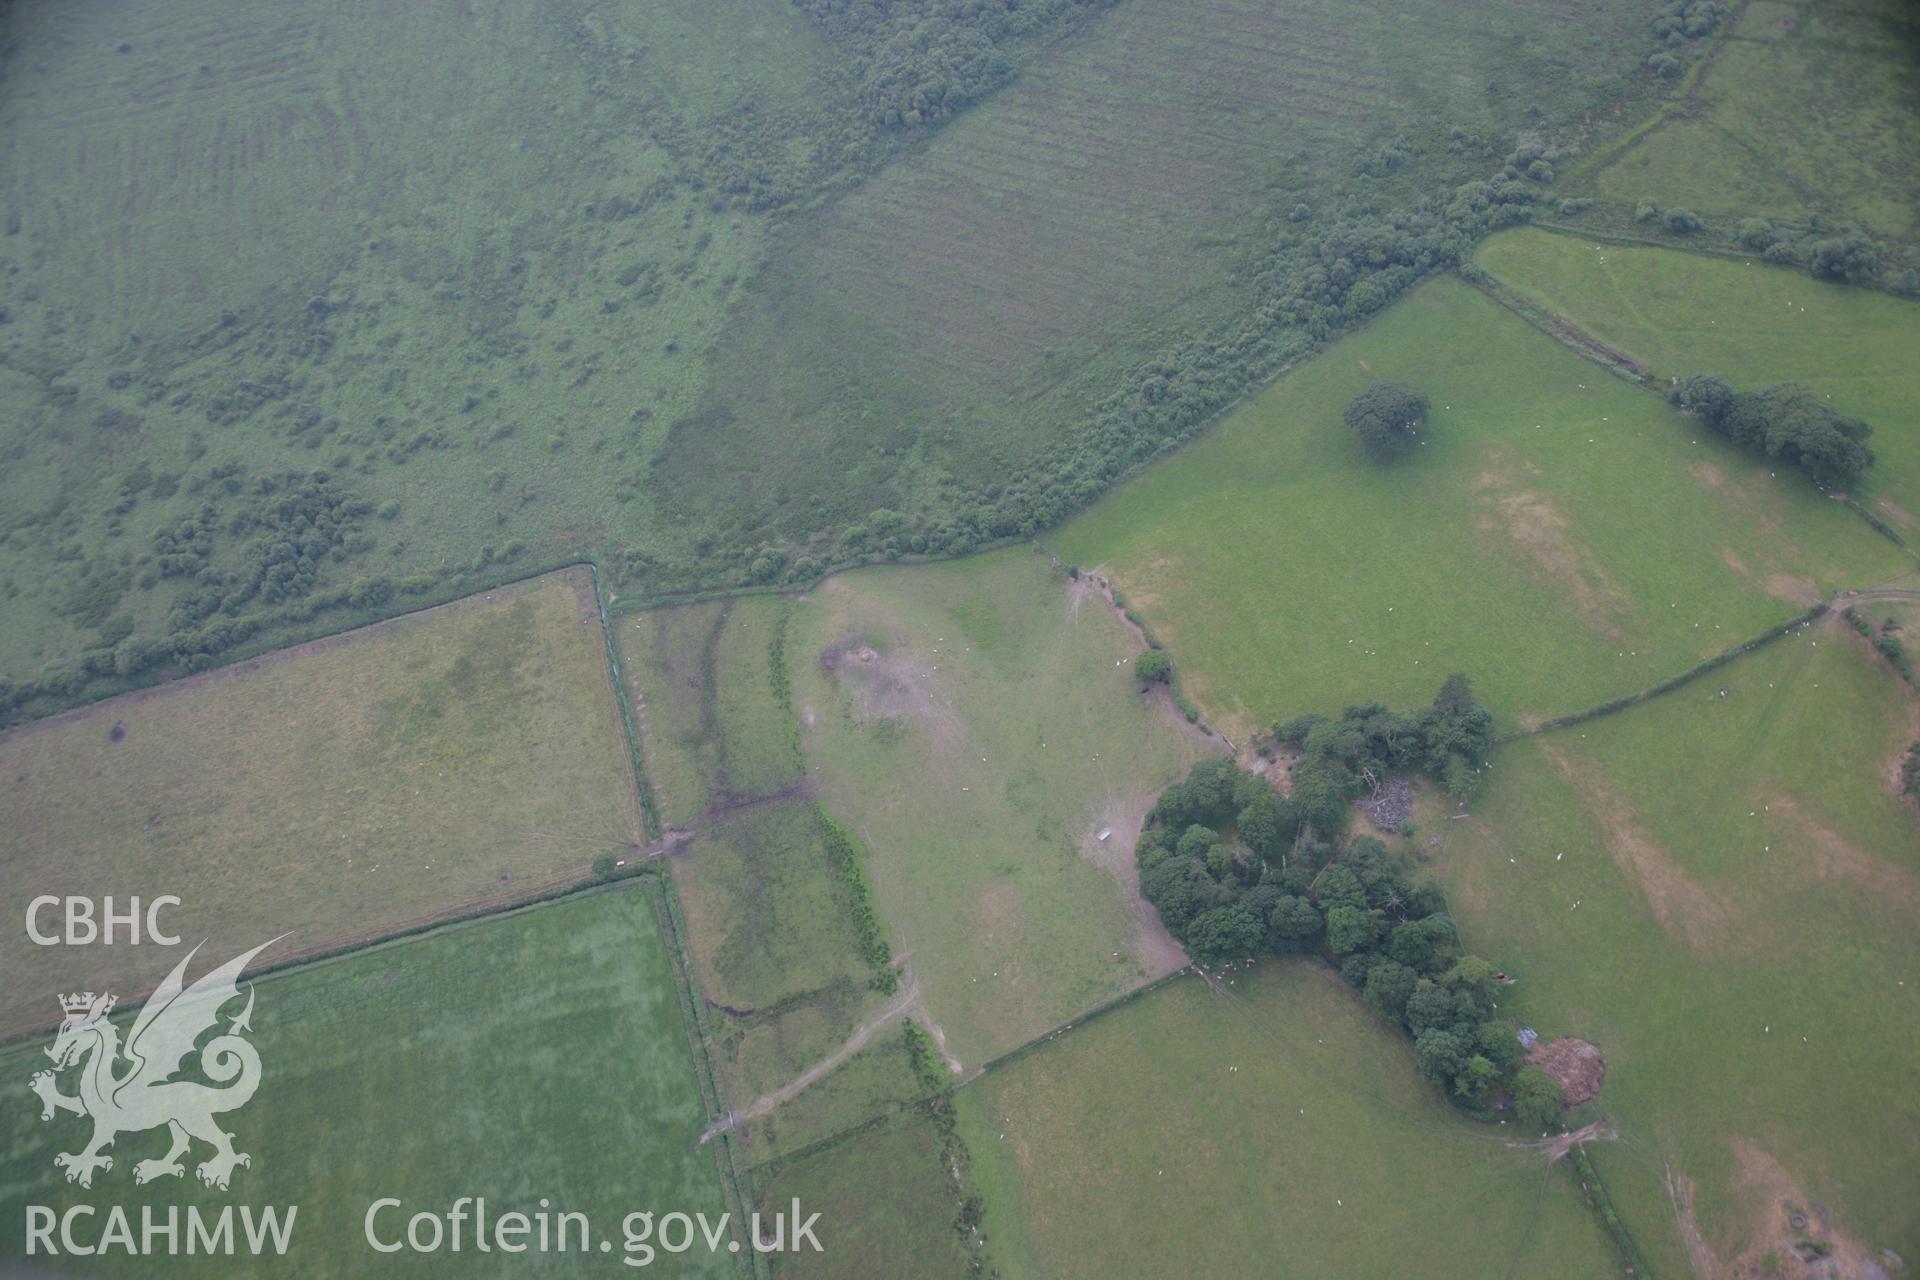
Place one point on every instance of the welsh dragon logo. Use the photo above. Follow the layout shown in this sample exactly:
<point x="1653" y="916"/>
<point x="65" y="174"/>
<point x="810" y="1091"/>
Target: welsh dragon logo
<point x="130" y="1088"/>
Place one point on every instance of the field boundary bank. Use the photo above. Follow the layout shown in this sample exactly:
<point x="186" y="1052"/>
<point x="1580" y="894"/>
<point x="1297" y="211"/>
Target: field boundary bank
<point x="629" y="722"/>
<point x="1556" y="326"/>
<point x="248" y="659"/>
<point x="1590" y="348"/>
<point x="1594" y="1188"/>
<point x="736" y="1183"/>
<point x="1718" y="660"/>
<point x="1100" y="1010"/>
<point x="1677" y="103"/>
<point x="891" y="1109"/>
<point x="373" y="940"/>
<point x="282" y="637"/>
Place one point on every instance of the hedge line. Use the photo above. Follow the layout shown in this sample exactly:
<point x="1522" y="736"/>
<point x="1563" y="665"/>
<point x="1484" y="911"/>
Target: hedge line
<point x="1671" y="683"/>
<point x="844" y="854"/>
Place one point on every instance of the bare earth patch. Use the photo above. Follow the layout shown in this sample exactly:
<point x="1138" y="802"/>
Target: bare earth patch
<point x="1792" y="1232"/>
<point x="1834" y="856"/>
<point x="1681" y="906"/>
<point x="1542" y="533"/>
<point x="1793" y="588"/>
<point x="1576" y="1064"/>
<point x="891" y="682"/>
<point x="1788" y="1236"/>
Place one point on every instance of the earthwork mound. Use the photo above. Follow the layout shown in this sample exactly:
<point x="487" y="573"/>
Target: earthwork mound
<point x="1575" y="1064"/>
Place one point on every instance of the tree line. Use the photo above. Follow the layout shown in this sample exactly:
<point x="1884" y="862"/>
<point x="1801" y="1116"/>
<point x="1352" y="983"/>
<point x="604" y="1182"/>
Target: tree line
<point x="1785" y="421"/>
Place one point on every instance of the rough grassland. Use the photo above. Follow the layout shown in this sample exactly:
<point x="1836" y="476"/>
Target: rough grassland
<point x="516" y="286"/>
<point x="1562" y="536"/>
<point x="1743" y="950"/>
<point x="875" y="1082"/>
<point x="340" y="790"/>
<point x="887" y="1207"/>
<point x="977" y="725"/>
<point x="536" y="1055"/>
<point x="1130" y="1147"/>
<point x="1808" y="107"/>
<point x="1115" y="198"/>
<point x="770" y="930"/>
<point x="1683" y="313"/>
<point x="714" y="729"/>
<point x="774" y="948"/>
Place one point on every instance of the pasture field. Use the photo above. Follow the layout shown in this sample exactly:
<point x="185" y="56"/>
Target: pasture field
<point x="442" y="761"/>
<point x="1684" y="313"/>
<point x="1121" y="197"/>
<point x="1718" y="891"/>
<point x="538" y="1054"/>
<point x="977" y="726"/>
<point x="1562" y="537"/>
<point x="1806" y="108"/>
<point x="889" y="1206"/>
<point x="1273" y="1126"/>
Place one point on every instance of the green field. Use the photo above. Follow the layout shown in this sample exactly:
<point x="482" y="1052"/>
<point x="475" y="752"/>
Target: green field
<point x="373" y="315"/>
<point x="1562" y="537"/>
<point x="448" y="760"/>
<point x="977" y="726"/>
<point x="1271" y="1127"/>
<point x="535" y="1055"/>
<point x="1742" y="949"/>
<point x="1684" y="313"/>
<point x="1806" y="108"/>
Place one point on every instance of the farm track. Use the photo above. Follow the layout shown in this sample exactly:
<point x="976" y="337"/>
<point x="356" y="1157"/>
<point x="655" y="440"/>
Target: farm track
<point x="905" y="1004"/>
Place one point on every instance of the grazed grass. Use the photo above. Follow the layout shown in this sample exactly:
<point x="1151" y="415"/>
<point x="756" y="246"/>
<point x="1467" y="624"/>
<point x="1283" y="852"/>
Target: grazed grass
<point x="1741" y="950"/>
<point x="1562" y="536"/>
<point x="402" y="771"/>
<point x="1807" y="108"/>
<point x="1269" y="1127"/>
<point x="493" y="1079"/>
<point x="976" y="724"/>
<point x="1682" y="313"/>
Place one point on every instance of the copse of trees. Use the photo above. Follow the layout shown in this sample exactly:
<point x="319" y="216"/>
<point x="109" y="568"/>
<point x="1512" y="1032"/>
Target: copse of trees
<point x="1678" y="30"/>
<point x="1387" y="419"/>
<point x="1227" y="864"/>
<point x="1342" y="759"/>
<point x="1785" y="421"/>
<point x="925" y="60"/>
<point x="1153" y="666"/>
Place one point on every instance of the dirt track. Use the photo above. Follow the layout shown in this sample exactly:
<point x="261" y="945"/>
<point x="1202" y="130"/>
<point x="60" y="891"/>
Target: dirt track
<point x="905" y="1003"/>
